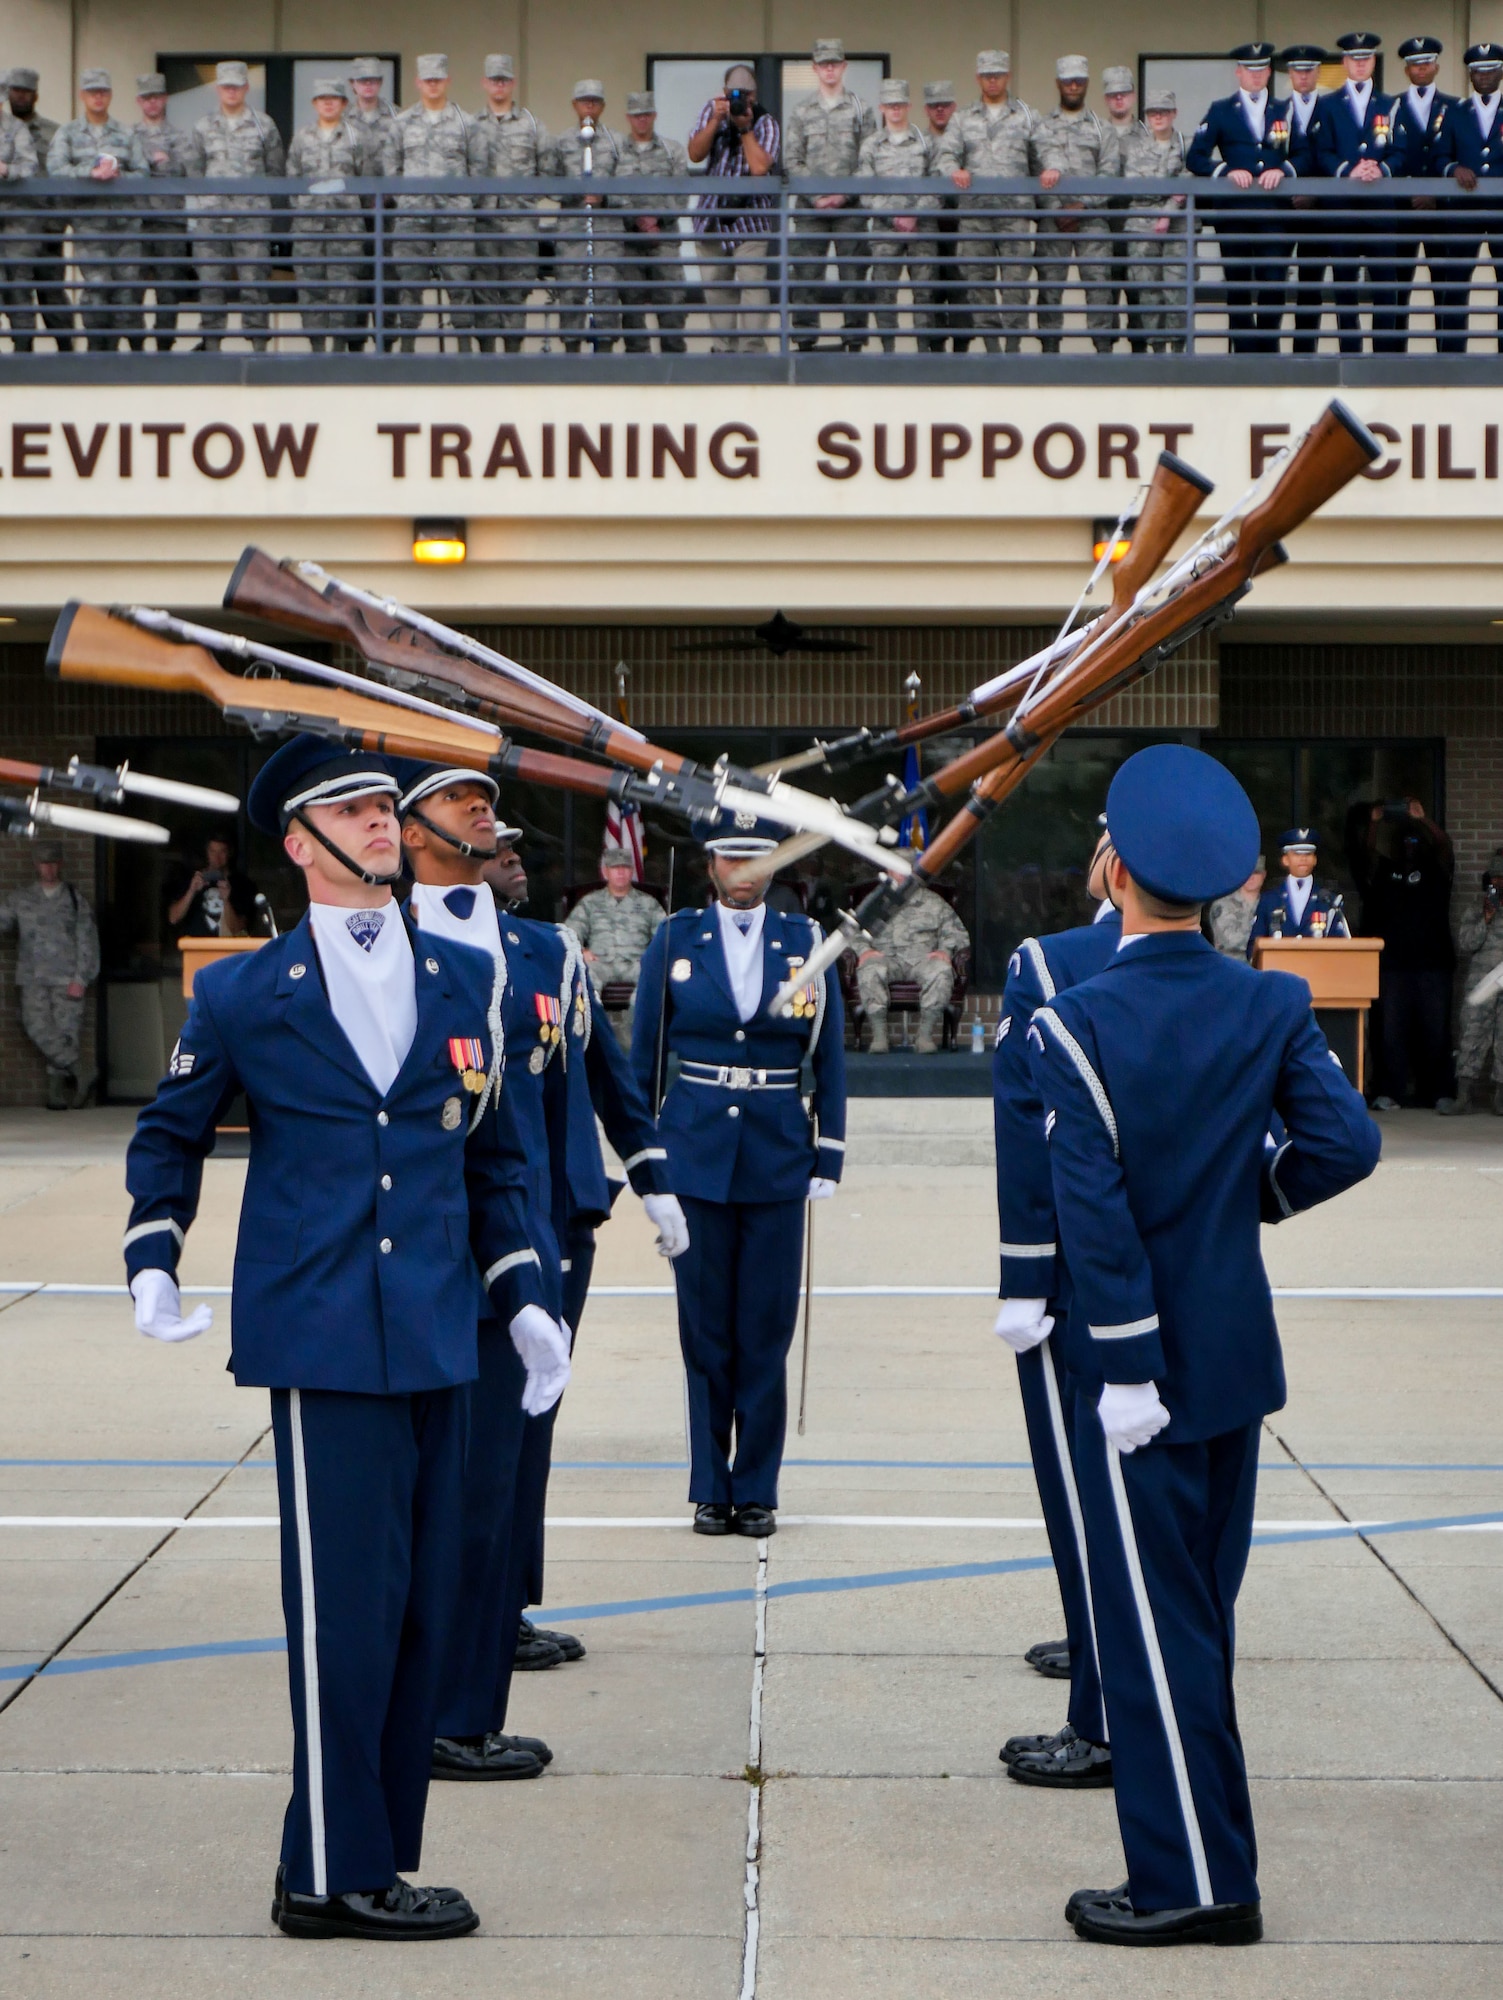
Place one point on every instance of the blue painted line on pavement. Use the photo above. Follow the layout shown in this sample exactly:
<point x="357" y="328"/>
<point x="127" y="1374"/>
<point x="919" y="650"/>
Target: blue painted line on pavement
<point x="179" y="1464"/>
<point x="789" y="1464"/>
<point x="95" y="1663"/>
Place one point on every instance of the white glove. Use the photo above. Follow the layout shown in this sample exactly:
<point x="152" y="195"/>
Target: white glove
<point x="159" y="1308"/>
<point x="1131" y="1414"/>
<point x="543" y="1344"/>
<point x="820" y="1189"/>
<point x="1024" y="1324"/>
<point x="667" y="1218"/>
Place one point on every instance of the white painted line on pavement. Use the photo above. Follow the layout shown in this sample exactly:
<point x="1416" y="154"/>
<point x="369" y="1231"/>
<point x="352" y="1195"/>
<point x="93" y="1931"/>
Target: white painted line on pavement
<point x="17" y="1287"/>
<point x="999" y="1523"/>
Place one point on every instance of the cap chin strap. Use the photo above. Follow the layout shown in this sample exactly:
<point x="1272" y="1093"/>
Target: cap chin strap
<point x="361" y="874"/>
<point x="465" y="847"/>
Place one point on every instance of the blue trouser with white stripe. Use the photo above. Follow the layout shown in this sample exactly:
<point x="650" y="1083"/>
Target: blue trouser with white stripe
<point x="1048" y="1392"/>
<point x="1168" y="1528"/>
<point x="738" y="1293"/>
<point x="369" y="1488"/>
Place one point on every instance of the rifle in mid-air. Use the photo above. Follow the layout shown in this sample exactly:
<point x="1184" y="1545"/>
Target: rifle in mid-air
<point x="25" y="818"/>
<point x="100" y="782"/>
<point x="1197" y="591"/>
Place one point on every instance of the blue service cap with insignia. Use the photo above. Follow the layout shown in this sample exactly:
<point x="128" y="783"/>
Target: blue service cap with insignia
<point x="1184" y="828"/>
<point x="419" y="781"/>
<point x="309" y="771"/>
<point x="1300" y="840"/>
<point x="1254" y="55"/>
<point x="1481" y="55"/>
<point x="1302" y="55"/>
<point x="1421" y="48"/>
<point x="1362" y="43"/>
<point x="739" y="836"/>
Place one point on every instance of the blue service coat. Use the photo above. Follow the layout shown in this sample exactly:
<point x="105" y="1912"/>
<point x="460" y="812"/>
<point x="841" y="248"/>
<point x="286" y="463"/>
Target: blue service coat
<point x="1273" y="899"/>
<point x="737" y="1143"/>
<point x="1462" y="143"/>
<point x="1224" y="141"/>
<point x="1421" y="142"/>
<point x="1039" y="968"/>
<point x="1302" y="158"/>
<point x="1340" y="142"/>
<point x="1163" y="1074"/>
<point x="366" y="1220"/>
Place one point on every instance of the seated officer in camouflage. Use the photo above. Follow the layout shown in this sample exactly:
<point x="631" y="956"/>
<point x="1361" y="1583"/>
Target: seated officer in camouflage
<point x="328" y="232"/>
<point x="1153" y="234"/>
<point x="823" y="135"/>
<point x="615" y="925"/>
<point x="57" y="960"/>
<point x="996" y="135"/>
<point x="588" y="239"/>
<point x="901" y="244"/>
<point x="918" y="943"/>
<point x="652" y="271"/>
<point x="506" y="143"/>
<point x="1075" y="143"/>
<point x="106" y="237"/>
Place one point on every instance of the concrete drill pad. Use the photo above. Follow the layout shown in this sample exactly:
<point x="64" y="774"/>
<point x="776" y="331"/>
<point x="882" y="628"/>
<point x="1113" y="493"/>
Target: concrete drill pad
<point x="855" y="1715"/>
<point x="639" y="1713"/>
<point x="696" y="1627"/>
<point x="1369" y="1718"/>
<point x="224" y="1713"/>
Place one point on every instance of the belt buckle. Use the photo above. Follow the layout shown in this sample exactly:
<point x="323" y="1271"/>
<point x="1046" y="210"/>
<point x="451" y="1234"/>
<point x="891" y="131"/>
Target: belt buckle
<point x="738" y="1079"/>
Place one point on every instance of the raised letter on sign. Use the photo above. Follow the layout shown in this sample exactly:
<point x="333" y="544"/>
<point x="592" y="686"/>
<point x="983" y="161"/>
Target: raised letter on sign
<point x="1444" y="467"/>
<point x="1074" y="444"/>
<point x="1385" y="467"/>
<point x="164" y="434"/>
<point x="1263" y="445"/>
<point x="840" y="442"/>
<point x="448" y="441"/>
<point x="666" y="446"/>
<point x="507" y="454"/>
<point x="999" y="442"/>
<point x="85" y="457"/>
<point x="201" y="451"/>
<point x="947" y="442"/>
<point x="1116" y="444"/>
<point x="582" y="446"/>
<point x="273" y="450"/>
<point x="886" y="470"/>
<point x="733" y="452"/>
<point x="29" y="441"/>
<point x="1170" y="433"/>
<point x="399" y="434"/>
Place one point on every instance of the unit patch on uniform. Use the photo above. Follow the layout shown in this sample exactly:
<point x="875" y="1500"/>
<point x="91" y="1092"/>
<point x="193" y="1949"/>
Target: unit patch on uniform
<point x="467" y="1054"/>
<point x="537" y="1062"/>
<point x="680" y="970"/>
<point x="364" y="926"/>
<point x="449" y="1116"/>
<point x="181" y="1061"/>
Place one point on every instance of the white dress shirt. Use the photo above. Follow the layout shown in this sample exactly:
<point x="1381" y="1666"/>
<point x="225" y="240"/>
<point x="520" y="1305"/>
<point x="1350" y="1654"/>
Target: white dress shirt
<point x="1254" y="105"/>
<point x="367" y="967"/>
<point x="1298" y="890"/>
<point x="741" y="941"/>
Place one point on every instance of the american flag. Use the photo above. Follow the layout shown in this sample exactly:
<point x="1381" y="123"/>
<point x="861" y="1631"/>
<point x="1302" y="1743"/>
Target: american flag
<point x="623" y="828"/>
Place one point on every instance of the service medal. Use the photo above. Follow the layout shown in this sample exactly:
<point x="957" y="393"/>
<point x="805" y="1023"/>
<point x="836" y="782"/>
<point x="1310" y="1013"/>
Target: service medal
<point x="449" y="1116"/>
<point x="537" y="1061"/>
<point x="467" y="1053"/>
<point x="548" y="1013"/>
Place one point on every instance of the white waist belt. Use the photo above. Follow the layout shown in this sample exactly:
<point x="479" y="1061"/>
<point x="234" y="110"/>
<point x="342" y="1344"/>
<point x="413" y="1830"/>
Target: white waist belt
<point x="728" y="1076"/>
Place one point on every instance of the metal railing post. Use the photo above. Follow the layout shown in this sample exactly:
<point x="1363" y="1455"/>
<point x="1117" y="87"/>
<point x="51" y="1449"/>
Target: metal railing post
<point x="785" y="224"/>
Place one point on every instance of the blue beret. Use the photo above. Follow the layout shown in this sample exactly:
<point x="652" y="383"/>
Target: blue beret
<point x="309" y="770"/>
<point x="1184" y="828"/>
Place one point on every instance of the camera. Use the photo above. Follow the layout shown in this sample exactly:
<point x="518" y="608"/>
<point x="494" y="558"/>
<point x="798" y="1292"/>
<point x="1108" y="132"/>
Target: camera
<point x="213" y="877"/>
<point x="740" y="101"/>
<point x="1396" y="809"/>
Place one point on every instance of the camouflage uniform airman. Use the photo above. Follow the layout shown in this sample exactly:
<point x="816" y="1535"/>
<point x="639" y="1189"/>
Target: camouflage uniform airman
<point x="821" y="138"/>
<point x="166" y="261"/>
<point x="380" y="124"/>
<point x="18" y="231"/>
<point x="58" y="946"/>
<point x="996" y="230"/>
<point x="904" y="945"/>
<point x="1481" y="1028"/>
<point x="615" y="931"/>
<point x="587" y="243"/>
<point x="509" y="145"/>
<point x="38" y="276"/>
<point x="328" y="229"/>
<point x="652" y="271"/>
<point x="232" y="238"/>
<point x="432" y="235"/>
<point x="1072" y="228"/>
<point x="1155" y="257"/>
<point x="106" y="237"/>
<point x="889" y="155"/>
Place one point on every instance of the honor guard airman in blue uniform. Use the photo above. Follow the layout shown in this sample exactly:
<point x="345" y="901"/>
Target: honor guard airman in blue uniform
<point x="1297" y="908"/>
<point x="1356" y="137"/>
<point x="1036" y="1298"/>
<point x="1420" y="114"/>
<point x="555" y="1069"/>
<point x="1163" y="1075"/>
<point x="384" y="1200"/>
<point x="1244" y="139"/>
<point x="1470" y="150"/>
<point x="744" y="1156"/>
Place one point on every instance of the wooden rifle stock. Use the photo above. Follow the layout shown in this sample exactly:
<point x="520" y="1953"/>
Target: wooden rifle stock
<point x="89" y="645"/>
<point x="13" y="773"/>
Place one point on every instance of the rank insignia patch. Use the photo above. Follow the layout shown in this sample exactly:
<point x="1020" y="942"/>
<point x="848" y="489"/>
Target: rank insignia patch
<point x="467" y="1054"/>
<point x="181" y="1061"/>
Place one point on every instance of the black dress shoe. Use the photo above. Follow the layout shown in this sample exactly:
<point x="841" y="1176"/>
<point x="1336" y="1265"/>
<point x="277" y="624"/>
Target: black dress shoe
<point x="1074" y="1765"/>
<point x="533" y="1745"/>
<point x="491" y="1759"/>
<point x="754" y="1521"/>
<point x="535" y="1653"/>
<point x="1051" y="1658"/>
<point x="567" y="1644"/>
<point x="1078" y="1901"/>
<point x="396" y="1913"/>
<point x="712" y="1517"/>
<point x="1034" y="1746"/>
<point x="1118" y="1922"/>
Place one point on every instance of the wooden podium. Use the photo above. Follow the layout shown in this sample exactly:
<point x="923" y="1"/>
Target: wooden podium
<point x="197" y="953"/>
<point x="1342" y="975"/>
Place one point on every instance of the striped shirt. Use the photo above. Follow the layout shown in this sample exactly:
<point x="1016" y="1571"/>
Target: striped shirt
<point x="736" y="214"/>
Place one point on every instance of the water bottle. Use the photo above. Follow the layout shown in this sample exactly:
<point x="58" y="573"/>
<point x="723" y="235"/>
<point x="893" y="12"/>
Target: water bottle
<point x="978" y="1037"/>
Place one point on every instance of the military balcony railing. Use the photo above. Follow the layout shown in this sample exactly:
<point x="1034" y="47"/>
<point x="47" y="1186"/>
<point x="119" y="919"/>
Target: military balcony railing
<point x="641" y="265"/>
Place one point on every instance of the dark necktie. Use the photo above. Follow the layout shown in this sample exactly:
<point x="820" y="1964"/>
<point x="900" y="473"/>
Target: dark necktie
<point x="461" y="902"/>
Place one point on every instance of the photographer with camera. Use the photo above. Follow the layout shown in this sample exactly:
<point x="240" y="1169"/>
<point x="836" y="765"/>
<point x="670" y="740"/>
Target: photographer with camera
<point x="740" y="138"/>
<point x="1481" y="942"/>
<point x="216" y="900"/>
<point x="1405" y="866"/>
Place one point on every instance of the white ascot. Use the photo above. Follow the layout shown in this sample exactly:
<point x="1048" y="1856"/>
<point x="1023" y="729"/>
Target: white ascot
<point x="1298" y="889"/>
<point x="480" y="930"/>
<point x="1253" y="103"/>
<point x="367" y="968"/>
<point x="1357" y="96"/>
<point x="1419" y="102"/>
<point x="741" y="941"/>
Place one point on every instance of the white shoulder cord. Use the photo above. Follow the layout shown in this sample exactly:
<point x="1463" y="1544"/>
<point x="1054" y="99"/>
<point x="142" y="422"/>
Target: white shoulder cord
<point x="575" y="975"/>
<point x="820" y="994"/>
<point x="497" y="1071"/>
